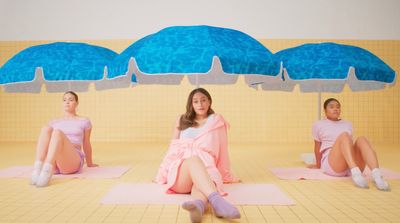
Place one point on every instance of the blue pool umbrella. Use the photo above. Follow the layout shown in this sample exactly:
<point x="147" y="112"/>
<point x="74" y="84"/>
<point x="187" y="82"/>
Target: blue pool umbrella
<point x="208" y="55"/>
<point x="61" y="66"/>
<point x="327" y="67"/>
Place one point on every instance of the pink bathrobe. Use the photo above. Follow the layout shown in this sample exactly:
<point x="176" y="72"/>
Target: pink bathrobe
<point x="210" y="146"/>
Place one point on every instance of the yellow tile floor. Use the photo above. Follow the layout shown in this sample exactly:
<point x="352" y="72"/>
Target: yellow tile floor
<point x="78" y="200"/>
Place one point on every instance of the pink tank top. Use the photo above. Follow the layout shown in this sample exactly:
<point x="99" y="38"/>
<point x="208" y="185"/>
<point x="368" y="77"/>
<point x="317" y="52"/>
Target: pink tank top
<point x="72" y="128"/>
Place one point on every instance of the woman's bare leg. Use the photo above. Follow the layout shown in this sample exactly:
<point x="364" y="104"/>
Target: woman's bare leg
<point x="184" y="184"/>
<point x="368" y="155"/>
<point x="41" y="152"/>
<point x="366" y="152"/>
<point x="43" y="143"/>
<point x="62" y="152"/>
<point x="193" y="174"/>
<point x="343" y="156"/>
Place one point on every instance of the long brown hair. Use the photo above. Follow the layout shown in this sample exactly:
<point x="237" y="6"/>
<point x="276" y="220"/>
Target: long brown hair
<point x="187" y="119"/>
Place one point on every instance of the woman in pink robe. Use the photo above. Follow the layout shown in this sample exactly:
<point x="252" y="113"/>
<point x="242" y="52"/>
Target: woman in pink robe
<point x="197" y="160"/>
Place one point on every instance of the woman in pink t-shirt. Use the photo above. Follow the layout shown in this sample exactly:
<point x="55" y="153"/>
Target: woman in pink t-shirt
<point x="59" y="148"/>
<point x="338" y="155"/>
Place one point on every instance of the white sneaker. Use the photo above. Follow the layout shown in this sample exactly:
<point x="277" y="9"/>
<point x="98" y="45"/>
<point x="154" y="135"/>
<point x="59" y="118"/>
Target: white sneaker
<point x="359" y="181"/>
<point x="37" y="166"/>
<point x="45" y="175"/>
<point x="381" y="184"/>
<point x="35" y="176"/>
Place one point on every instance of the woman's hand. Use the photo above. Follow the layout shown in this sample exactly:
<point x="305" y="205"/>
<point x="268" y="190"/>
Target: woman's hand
<point x="233" y="180"/>
<point x="237" y="180"/>
<point x="92" y="165"/>
<point x="312" y="166"/>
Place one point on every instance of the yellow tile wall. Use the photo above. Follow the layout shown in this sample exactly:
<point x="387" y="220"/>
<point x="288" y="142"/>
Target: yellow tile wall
<point x="147" y="112"/>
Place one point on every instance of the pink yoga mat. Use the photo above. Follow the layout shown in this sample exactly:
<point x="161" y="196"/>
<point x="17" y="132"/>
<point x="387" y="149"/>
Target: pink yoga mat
<point x="92" y="172"/>
<point x="303" y="173"/>
<point x="241" y="194"/>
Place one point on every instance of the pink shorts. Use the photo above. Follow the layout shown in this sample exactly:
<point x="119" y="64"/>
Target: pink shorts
<point x="328" y="169"/>
<point x="81" y="155"/>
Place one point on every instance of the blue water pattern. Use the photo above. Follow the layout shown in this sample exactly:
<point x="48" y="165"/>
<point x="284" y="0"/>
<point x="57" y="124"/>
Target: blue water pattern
<point x="60" y="61"/>
<point x="190" y="49"/>
<point x="332" y="61"/>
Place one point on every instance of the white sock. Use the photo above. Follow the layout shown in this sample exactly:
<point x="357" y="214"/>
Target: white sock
<point x="37" y="167"/>
<point x="358" y="178"/>
<point x="45" y="175"/>
<point x="380" y="183"/>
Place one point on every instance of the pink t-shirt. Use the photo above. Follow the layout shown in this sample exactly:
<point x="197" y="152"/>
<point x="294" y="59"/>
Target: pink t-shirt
<point x="326" y="131"/>
<point x="72" y="128"/>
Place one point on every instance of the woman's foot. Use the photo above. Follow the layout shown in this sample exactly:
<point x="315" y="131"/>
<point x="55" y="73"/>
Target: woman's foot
<point x="45" y="175"/>
<point x="377" y="178"/>
<point x="37" y="167"/>
<point x="196" y="209"/>
<point x="222" y="208"/>
<point x="358" y="178"/>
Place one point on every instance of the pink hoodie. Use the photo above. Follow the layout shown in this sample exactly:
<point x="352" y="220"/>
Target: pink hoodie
<point x="210" y="146"/>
